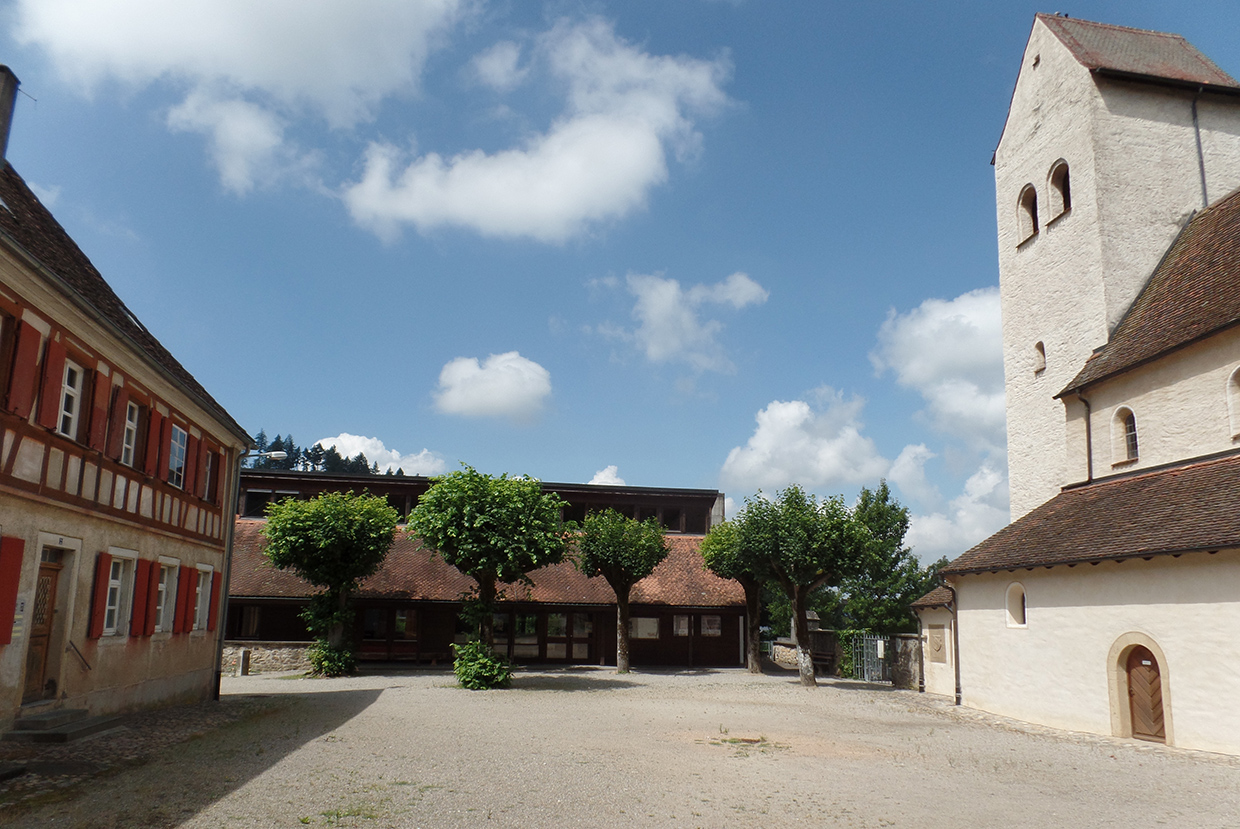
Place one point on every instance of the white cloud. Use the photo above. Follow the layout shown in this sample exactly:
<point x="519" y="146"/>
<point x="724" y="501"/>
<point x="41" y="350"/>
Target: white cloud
<point x="48" y="194"/>
<point x="978" y="512"/>
<point x="795" y="442"/>
<point x="908" y="472"/>
<point x="597" y="161"/>
<point x="504" y="385"/>
<point x="246" y="67"/>
<point x="246" y="141"/>
<point x="498" y="68"/>
<point x="608" y="476"/>
<point x="425" y="462"/>
<point x="670" y="328"/>
<point x="951" y="352"/>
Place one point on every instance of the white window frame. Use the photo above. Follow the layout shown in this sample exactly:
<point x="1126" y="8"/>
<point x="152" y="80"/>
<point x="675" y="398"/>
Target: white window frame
<point x="176" y="457"/>
<point x="119" y="602"/>
<point x="70" y="400"/>
<point x="129" y="444"/>
<point x="202" y="596"/>
<point x="165" y="603"/>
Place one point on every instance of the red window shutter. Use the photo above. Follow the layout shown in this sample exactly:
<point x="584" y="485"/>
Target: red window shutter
<point x="152" y="599"/>
<point x="11" y="551"/>
<point x="200" y="483"/>
<point x="99" y="604"/>
<point x="141" y="582"/>
<point x="25" y="370"/>
<point x="98" y="437"/>
<point x="214" y="612"/>
<point x="116" y="429"/>
<point x="165" y="451"/>
<point x="186" y="583"/>
<point x="153" y="430"/>
<point x="53" y="383"/>
<point x="190" y="479"/>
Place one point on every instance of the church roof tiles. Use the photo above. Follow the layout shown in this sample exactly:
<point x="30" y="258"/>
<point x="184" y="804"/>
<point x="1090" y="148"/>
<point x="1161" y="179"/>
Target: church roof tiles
<point x="1190" y="507"/>
<point x="1191" y="294"/>
<point x="1136" y="53"/>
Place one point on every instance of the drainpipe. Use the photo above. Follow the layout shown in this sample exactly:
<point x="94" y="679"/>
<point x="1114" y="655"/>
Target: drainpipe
<point x="1089" y="439"/>
<point x="955" y="638"/>
<point x="1201" y="159"/>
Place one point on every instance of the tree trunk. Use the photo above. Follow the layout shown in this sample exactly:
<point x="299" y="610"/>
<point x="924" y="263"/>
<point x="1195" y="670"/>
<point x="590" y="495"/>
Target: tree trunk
<point x="486" y="603"/>
<point x="753" y="625"/>
<point x="335" y="634"/>
<point x="622" y="631"/>
<point x="805" y="656"/>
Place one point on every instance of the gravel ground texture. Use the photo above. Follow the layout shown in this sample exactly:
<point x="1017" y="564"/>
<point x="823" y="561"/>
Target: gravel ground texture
<point x="588" y="747"/>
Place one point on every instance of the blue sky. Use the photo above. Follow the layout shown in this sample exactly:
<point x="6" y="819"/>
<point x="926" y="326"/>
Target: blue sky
<point x="730" y="245"/>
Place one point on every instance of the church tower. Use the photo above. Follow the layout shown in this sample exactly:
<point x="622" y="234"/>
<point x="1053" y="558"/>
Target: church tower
<point x="1114" y="137"/>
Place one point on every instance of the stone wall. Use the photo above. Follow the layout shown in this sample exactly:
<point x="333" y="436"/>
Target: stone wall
<point x="266" y="657"/>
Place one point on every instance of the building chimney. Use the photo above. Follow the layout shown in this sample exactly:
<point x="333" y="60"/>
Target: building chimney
<point x="8" y="99"/>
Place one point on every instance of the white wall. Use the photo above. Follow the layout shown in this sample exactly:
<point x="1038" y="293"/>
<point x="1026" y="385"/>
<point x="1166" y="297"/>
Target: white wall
<point x="1135" y="180"/>
<point x="940" y="677"/>
<point x="1180" y="403"/>
<point x="1057" y="670"/>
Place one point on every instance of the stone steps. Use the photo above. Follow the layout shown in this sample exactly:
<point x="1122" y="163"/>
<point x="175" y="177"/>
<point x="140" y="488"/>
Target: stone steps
<point x="61" y="725"/>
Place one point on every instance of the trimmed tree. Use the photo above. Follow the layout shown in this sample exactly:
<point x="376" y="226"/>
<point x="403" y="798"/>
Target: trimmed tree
<point x="728" y="558"/>
<point x="333" y="541"/>
<point x="494" y="530"/>
<point x="623" y="552"/>
<point x="808" y="543"/>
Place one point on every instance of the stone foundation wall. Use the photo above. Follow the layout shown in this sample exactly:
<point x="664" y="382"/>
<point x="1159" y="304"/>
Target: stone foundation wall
<point x="266" y="657"/>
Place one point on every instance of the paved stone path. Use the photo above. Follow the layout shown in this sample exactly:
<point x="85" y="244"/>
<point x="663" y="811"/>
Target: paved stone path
<point x="579" y="748"/>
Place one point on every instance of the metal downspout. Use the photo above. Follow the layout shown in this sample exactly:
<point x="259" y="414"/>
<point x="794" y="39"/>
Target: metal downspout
<point x="1089" y="439"/>
<point x="955" y="639"/>
<point x="1201" y="159"/>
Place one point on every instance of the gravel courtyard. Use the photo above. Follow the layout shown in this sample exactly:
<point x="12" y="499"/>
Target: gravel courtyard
<point x="585" y="747"/>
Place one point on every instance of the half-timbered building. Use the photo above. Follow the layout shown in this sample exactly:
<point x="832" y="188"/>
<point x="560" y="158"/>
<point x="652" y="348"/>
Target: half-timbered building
<point x="115" y="486"/>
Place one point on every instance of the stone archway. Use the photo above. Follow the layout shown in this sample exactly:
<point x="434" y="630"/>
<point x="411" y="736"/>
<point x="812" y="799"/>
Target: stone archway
<point x="1117" y="682"/>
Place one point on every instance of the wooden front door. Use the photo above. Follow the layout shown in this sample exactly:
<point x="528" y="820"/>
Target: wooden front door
<point x="1145" y="696"/>
<point x="41" y="618"/>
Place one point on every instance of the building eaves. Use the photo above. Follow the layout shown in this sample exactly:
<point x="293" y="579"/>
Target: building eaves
<point x="1183" y="508"/>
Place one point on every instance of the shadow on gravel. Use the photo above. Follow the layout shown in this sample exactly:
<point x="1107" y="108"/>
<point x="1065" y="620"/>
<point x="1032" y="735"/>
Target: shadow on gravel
<point x="168" y="787"/>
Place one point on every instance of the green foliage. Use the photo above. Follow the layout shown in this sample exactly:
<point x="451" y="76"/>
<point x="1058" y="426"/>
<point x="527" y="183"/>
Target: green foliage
<point x="332" y="541"/>
<point x="889" y="579"/>
<point x="807" y="542"/>
<point x="326" y="660"/>
<point x="621" y="550"/>
<point x="478" y="669"/>
<point x="309" y="459"/>
<point x="490" y="527"/>
<point x="728" y="556"/>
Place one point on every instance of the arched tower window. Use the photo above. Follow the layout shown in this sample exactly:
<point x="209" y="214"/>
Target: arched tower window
<point x="1016" y="606"/>
<point x="1233" y="402"/>
<point x="1060" y="192"/>
<point x="1027" y="213"/>
<point x="1039" y="357"/>
<point x="1124" y="436"/>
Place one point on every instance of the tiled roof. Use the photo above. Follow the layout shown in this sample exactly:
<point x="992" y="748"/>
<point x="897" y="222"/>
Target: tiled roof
<point x="1194" y="291"/>
<point x="938" y="597"/>
<point x="1180" y="509"/>
<point x="415" y="573"/>
<point x="33" y="229"/>
<point x="1139" y="52"/>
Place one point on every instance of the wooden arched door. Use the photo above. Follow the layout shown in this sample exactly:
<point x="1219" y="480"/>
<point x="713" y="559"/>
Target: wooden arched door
<point x="1145" y="699"/>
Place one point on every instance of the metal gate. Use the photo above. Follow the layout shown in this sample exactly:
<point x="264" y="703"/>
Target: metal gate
<point x="871" y="660"/>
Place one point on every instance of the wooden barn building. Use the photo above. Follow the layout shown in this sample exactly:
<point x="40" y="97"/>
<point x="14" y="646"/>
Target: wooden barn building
<point x="682" y="615"/>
